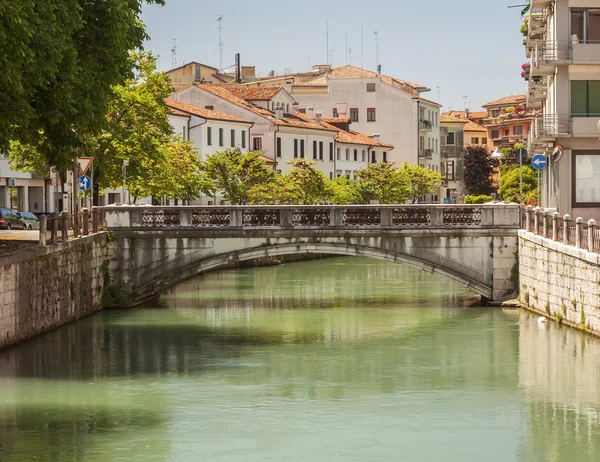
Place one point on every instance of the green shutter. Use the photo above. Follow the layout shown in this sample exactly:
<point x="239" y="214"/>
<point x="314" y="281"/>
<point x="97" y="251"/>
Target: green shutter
<point x="579" y="98"/>
<point x="594" y="98"/>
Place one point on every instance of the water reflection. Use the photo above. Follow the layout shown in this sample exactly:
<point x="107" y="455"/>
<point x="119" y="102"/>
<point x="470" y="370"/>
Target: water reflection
<point x="345" y="358"/>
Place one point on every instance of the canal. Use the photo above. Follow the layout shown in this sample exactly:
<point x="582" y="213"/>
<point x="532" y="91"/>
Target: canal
<point x="344" y="359"/>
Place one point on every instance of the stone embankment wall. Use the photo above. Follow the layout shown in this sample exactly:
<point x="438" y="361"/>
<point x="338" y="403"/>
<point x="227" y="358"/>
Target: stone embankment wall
<point x="560" y="281"/>
<point x="41" y="289"/>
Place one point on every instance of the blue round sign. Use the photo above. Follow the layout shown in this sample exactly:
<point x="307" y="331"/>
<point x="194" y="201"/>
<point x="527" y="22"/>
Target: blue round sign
<point x="539" y="161"/>
<point x="85" y="183"/>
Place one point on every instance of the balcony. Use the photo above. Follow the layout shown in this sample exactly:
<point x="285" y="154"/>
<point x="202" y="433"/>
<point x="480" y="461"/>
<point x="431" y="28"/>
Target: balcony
<point x="546" y="55"/>
<point x="424" y="125"/>
<point x="426" y="153"/>
<point x="551" y="126"/>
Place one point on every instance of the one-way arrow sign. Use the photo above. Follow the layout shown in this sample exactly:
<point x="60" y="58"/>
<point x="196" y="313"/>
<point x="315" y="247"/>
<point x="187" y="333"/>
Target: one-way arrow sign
<point x="539" y="161"/>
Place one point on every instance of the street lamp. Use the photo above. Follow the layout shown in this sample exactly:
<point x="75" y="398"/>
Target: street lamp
<point x="124" y="171"/>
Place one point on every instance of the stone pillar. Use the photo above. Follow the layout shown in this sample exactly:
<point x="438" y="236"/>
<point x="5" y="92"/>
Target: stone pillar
<point x="95" y="213"/>
<point x="337" y="217"/>
<point x="555" y="225"/>
<point x="85" y="213"/>
<point x="285" y="217"/>
<point x="43" y="228"/>
<point x="236" y="217"/>
<point x="566" y="236"/>
<point x="386" y="215"/>
<point x="591" y="226"/>
<point x="437" y="216"/>
<point x="544" y="223"/>
<point x="25" y="199"/>
<point x="55" y="227"/>
<point x="536" y="221"/>
<point x="528" y="213"/>
<point x="578" y="232"/>
<point x="64" y="221"/>
<point x="185" y="217"/>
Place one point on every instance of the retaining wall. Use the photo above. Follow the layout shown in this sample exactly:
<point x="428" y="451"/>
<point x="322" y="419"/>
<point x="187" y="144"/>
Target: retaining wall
<point x="49" y="286"/>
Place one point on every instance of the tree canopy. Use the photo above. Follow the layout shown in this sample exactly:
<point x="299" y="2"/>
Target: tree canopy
<point x="509" y="189"/>
<point x="478" y="171"/>
<point x="419" y="181"/>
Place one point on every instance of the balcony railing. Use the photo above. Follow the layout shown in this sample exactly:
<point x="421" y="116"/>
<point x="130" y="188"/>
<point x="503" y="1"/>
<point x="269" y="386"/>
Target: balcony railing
<point x="550" y="52"/>
<point x="550" y="126"/>
<point x="426" y="153"/>
<point x="425" y="125"/>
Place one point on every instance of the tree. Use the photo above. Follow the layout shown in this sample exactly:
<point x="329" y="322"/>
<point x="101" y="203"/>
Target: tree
<point x="419" y="181"/>
<point x="383" y="183"/>
<point x="510" y="181"/>
<point x="60" y="61"/>
<point x="236" y="173"/>
<point x="478" y="171"/>
<point x="342" y="190"/>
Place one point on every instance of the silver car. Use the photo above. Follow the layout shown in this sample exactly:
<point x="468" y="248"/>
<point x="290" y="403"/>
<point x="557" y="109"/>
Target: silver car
<point x="29" y="220"/>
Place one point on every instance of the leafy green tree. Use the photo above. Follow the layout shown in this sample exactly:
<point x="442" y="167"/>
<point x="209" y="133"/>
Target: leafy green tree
<point x="235" y="173"/>
<point x="60" y="61"/>
<point x="509" y="184"/>
<point x="383" y="183"/>
<point x="419" y="181"/>
<point x="342" y="190"/>
<point x="478" y="171"/>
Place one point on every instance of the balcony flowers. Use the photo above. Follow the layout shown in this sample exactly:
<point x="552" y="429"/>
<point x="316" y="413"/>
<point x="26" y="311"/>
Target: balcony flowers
<point x="526" y="66"/>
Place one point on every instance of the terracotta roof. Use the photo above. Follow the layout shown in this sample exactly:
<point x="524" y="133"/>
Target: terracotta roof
<point x="449" y="120"/>
<point x="336" y="120"/>
<point x="254" y="93"/>
<point x="267" y="160"/>
<point x="516" y="99"/>
<point x="180" y="108"/>
<point x="473" y="127"/>
<point x="352" y="137"/>
<point x="463" y="114"/>
<point x="283" y="76"/>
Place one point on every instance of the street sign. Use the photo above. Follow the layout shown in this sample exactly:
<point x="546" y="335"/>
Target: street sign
<point x="446" y="200"/>
<point x="84" y="163"/>
<point x="84" y="183"/>
<point x="557" y="153"/>
<point x="522" y="155"/>
<point x="539" y="161"/>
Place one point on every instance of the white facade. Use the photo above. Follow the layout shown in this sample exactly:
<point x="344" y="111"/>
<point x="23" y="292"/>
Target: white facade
<point x="299" y="143"/>
<point x="29" y="193"/>
<point x="563" y="42"/>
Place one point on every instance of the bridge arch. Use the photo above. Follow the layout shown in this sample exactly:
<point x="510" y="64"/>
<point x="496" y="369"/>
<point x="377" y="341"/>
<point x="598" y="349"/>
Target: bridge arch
<point x="227" y="259"/>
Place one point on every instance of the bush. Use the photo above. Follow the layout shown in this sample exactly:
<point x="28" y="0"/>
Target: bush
<point x="481" y="199"/>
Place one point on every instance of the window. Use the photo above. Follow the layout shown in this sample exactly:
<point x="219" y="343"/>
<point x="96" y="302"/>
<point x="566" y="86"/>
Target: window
<point x="244" y="139"/>
<point x="371" y="114"/>
<point x="233" y="138"/>
<point x="507" y="132"/>
<point x="278" y="147"/>
<point x="585" y="98"/>
<point x="370" y="87"/>
<point x="220" y="137"/>
<point x="287" y="108"/>
<point x="314" y="149"/>
<point x="210" y="108"/>
<point x="585" y="24"/>
<point x="354" y="114"/>
<point x="474" y="140"/>
<point x="335" y="112"/>
<point x="295" y="148"/>
<point x="495" y="134"/>
<point x="209" y="136"/>
<point x="331" y="175"/>
<point x="495" y="112"/>
<point x="385" y="156"/>
<point x="197" y="73"/>
<point x="330" y="151"/>
<point x="257" y="143"/>
<point x="518" y="130"/>
<point x="302" y="148"/>
<point x="339" y="154"/>
<point x="483" y="140"/>
<point x="364" y="154"/>
<point x="320" y="150"/>
<point x="373" y="157"/>
<point x="586" y="182"/>
<point x="450" y="139"/>
<point x="347" y="154"/>
<point x="421" y="143"/>
<point x="450" y="170"/>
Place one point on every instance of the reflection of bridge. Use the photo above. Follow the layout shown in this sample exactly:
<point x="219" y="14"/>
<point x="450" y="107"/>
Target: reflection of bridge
<point x="154" y="247"/>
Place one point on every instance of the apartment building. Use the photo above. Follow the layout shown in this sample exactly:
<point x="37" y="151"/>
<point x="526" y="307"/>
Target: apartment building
<point x="377" y="104"/>
<point x="24" y="191"/>
<point x="194" y="72"/>
<point x="508" y="122"/>
<point x="562" y="40"/>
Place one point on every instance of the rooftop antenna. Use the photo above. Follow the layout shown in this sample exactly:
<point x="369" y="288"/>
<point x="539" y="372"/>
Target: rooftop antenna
<point x="465" y="103"/>
<point x="220" y="21"/>
<point x="377" y="51"/>
<point x="346" y="50"/>
<point x="438" y="93"/>
<point x="174" y="54"/>
<point x="350" y="56"/>
<point x="327" y="40"/>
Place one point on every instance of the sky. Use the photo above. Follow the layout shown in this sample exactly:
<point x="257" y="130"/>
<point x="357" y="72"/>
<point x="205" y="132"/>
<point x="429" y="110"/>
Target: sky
<point x="458" y="48"/>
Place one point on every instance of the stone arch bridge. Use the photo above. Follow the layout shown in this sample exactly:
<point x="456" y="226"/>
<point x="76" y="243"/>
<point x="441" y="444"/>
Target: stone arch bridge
<point x="155" y="247"/>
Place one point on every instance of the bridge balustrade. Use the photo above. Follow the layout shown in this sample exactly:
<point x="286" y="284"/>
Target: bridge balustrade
<point x="317" y="216"/>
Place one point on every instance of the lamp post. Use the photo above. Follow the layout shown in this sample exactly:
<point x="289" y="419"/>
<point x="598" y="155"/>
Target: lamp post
<point x="124" y="171"/>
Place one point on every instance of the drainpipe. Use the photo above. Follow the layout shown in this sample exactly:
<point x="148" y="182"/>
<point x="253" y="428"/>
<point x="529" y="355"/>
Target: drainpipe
<point x="275" y="150"/>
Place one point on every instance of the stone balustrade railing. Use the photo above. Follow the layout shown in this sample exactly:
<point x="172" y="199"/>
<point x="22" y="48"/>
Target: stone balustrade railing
<point x="317" y="216"/>
<point x="577" y="233"/>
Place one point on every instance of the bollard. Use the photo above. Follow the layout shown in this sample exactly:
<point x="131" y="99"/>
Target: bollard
<point x="528" y="213"/>
<point x="578" y="232"/>
<point x="86" y="221"/>
<point x="43" y="228"/>
<point x="94" y="220"/>
<point x="64" y="221"/>
<point x="536" y="221"/>
<point x="566" y="230"/>
<point x="591" y="226"/>
<point x="544" y="223"/>
<point x="555" y="225"/>
<point x="55" y="227"/>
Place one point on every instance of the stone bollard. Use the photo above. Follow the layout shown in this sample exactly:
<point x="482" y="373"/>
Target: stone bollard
<point x="55" y="227"/>
<point x="43" y="228"/>
<point x="94" y="220"/>
<point x="86" y="221"/>
<point x="555" y="225"/>
<point x="528" y="213"/>
<point x="578" y="232"/>
<point x="566" y="230"/>
<point x="64" y="222"/>
<point x="536" y="220"/>
<point x="591" y="226"/>
<point x="544" y="223"/>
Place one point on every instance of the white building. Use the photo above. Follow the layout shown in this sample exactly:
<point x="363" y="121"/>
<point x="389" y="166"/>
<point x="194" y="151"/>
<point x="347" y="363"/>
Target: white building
<point x="24" y="192"/>
<point x="563" y="42"/>
<point x="378" y="104"/>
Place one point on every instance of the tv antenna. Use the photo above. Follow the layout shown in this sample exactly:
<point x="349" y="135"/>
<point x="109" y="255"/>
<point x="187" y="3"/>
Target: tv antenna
<point x="174" y="54"/>
<point x="438" y="93"/>
<point x="220" y="21"/>
<point x="327" y="40"/>
<point x="377" y="50"/>
<point x="465" y="101"/>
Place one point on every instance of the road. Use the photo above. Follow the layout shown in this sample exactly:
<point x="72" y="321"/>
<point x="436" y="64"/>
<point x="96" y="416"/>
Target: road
<point x="19" y="235"/>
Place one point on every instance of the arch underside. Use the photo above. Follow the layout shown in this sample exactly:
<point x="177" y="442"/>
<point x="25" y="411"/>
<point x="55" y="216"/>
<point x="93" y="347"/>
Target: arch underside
<point x="227" y="259"/>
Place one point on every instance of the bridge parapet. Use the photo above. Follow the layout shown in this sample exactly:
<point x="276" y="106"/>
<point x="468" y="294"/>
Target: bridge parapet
<point x="500" y="216"/>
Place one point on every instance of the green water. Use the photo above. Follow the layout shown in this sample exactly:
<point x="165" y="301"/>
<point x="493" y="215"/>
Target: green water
<point x="341" y="359"/>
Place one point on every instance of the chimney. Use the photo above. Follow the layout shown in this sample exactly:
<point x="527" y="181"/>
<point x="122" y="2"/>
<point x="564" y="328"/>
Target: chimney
<point x="467" y="113"/>
<point x="321" y="68"/>
<point x="248" y="73"/>
<point x="295" y="106"/>
<point x="376" y="137"/>
<point x="319" y="117"/>
<point x="310" y="112"/>
<point x="342" y="110"/>
<point x="279" y="112"/>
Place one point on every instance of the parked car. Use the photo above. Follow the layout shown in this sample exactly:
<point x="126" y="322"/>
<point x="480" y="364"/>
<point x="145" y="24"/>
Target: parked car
<point x="30" y="220"/>
<point x="10" y="219"/>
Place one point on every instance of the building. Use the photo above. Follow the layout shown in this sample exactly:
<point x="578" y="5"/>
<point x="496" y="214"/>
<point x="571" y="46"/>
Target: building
<point x="475" y="134"/>
<point x="195" y="72"/>
<point x="24" y="192"/>
<point x="562" y="40"/>
<point x="508" y="122"/>
<point x="476" y="117"/>
<point x="285" y="80"/>
<point x="452" y="131"/>
<point x="378" y="104"/>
